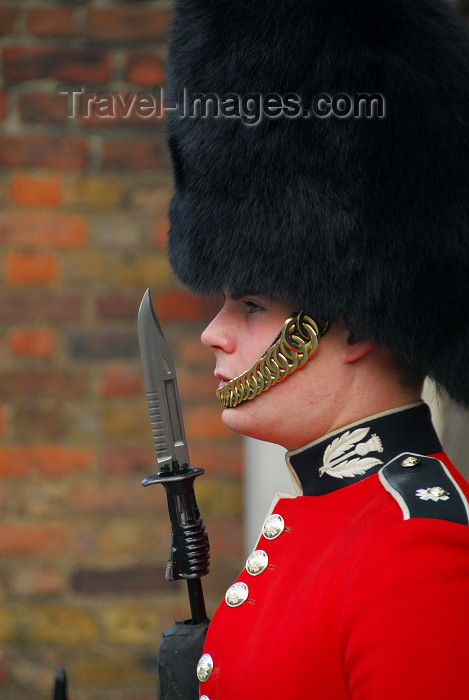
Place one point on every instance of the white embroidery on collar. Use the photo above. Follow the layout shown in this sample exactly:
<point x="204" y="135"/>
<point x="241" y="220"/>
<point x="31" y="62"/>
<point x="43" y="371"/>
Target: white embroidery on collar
<point x="338" y="464"/>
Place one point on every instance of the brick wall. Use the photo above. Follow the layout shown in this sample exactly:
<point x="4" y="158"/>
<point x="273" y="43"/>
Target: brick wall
<point x="82" y="235"/>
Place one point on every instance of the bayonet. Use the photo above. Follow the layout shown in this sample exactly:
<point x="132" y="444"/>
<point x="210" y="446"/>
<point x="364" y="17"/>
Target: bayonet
<point x="189" y="549"/>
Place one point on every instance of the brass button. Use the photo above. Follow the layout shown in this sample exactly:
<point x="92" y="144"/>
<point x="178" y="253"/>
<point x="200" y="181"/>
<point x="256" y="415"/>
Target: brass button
<point x="236" y="594"/>
<point x="257" y="562"/>
<point x="274" y="525"/>
<point x="410" y="462"/>
<point x="204" y="697"/>
<point x="204" y="668"/>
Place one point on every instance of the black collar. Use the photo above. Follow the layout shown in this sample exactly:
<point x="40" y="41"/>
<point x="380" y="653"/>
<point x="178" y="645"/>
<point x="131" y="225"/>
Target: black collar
<point x="360" y="449"/>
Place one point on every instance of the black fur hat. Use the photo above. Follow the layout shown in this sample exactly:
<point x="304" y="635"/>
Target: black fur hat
<point x="363" y="218"/>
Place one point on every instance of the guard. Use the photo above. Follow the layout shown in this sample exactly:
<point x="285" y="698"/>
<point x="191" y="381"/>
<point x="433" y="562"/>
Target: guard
<point x="321" y="188"/>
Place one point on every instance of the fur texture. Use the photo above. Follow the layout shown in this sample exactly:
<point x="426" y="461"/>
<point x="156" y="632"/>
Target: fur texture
<point x="364" y="219"/>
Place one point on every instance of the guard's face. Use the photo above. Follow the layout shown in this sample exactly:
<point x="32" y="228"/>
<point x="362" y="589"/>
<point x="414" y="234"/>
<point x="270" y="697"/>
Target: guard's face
<point x="238" y="336"/>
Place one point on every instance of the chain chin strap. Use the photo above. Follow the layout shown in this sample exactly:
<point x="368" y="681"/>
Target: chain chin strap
<point x="296" y="344"/>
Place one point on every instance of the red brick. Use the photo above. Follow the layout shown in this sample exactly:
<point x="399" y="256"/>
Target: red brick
<point x="204" y="423"/>
<point x="51" y="461"/>
<point x="193" y="352"/>
<point x="33" y="382"/>
<point x="145" y="68"/>
<point x="61" y="153"/>
<point x="40" y="306"/>
<point x="181" y="305"/>
<point x="218" y="459"/>
<point x="21" y="269"/>
<point x="35" y="422"/>
<point x="137" y="579"/>
<point x="196" y="385"/>
<point x="19" y="539"/>
<point x="117" y="25"/>
<point x="136" y="153"/>
<point x="160" y="233"/>
<point x="44" y="231"/>
<point x="120" y="382"/>
<point x="8" y="18"/>
<point x="126" y="459"/>
<point x="117" y="306"/>
<point x="50" y="22"/>
<point x="33" y="191"/>
<point x="32" y="342"/>
<point x="3" y="105"/>
<point x="81" y="65"/>
<point x="42" y="108"/>
<point x="3" y="421"/>
<point x="29" y="581"/>
<point x="124" y="498"/>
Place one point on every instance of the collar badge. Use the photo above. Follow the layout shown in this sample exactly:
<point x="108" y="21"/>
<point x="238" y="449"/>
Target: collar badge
<point x="337" y="460"/>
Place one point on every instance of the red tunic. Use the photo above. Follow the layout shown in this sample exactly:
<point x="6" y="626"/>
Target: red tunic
<point x="356" y="601"/>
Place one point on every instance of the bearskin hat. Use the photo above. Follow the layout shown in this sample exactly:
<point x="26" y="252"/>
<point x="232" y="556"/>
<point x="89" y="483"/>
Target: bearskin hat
<point x="349" y="214"/>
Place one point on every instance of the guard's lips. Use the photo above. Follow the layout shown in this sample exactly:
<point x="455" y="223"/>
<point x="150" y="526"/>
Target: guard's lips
<point x="223" y="379"/>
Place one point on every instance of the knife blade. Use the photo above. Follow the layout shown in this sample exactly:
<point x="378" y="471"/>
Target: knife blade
<point x="189" y="552"/>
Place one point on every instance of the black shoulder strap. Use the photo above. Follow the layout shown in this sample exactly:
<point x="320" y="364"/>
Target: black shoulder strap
<point x="424" y="488"/>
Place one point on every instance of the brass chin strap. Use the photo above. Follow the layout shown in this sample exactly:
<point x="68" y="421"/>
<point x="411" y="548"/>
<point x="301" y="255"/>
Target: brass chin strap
<point x="296" y="344"/>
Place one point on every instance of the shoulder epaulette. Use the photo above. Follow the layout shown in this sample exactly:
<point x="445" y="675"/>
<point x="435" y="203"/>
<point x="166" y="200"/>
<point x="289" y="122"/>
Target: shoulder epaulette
<point x="424" y="488"/>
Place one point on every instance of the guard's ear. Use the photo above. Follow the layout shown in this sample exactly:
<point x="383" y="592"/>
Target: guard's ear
<point x="355" y="348"/>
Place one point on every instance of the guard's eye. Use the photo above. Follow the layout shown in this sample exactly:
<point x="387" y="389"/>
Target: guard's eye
<point x="252" y="307"/>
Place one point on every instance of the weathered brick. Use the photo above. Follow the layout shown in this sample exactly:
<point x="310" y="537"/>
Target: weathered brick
<point x="111" y="671"/>
<point x="57" y="624"/>
<point x="220" y="497"/>
<point x="23" y="269"/>
<point x="126" y="24"/>
<point x="204" y="423"/>
<point x="50" y="460"/>
<point x="45" y="230"/>
<point x="120" y="382"/>
<point x="73" y="65"/>
<point x="125" y="269"/>
<point x="8" y="18"/>
<point x="32" y="342"/>
<point x="124" y="421"/>
<point x="33" y="191"/>
<point x="226" y="541"/>
<point x="61" y="153"/>
<point x="19" y="539"/>
<point x="196" y="385"/>
<point x="40" y="306"/>
<point x="42" y="108"/>
<point x="176" y="303"/>
<point x="51" y="22"/>
<point x="99" y="497"/>
<point x="20" y="382"/>
<point x="32" y="581"/>
<point x="127" y="459"/>
<point x="136" y="153"/>
<point x="119" y="537"/>
<point x="131" y="623"/>
<point x="193" y="352"/>
<point x="98" y="191"/>
<point x="102" y="345"/>
<point x="7" y="626"/>
<point x="218" y="459"/>
<point x="3" y="421"/>
<point x="3" y="104"/>
<point x="32" y="422"/>
<point x="134" y="579"/>
<point x="117" y="306"/>
<point x="144" y="68"/>
<point x="160" y="233"/>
